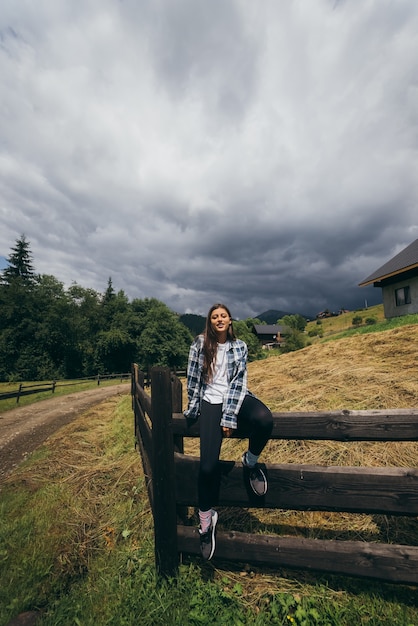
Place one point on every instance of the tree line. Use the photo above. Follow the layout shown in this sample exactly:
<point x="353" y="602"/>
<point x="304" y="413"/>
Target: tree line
<point x="48" y="331"/>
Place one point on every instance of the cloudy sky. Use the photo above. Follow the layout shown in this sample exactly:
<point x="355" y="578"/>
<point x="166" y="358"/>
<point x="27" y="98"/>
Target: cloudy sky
<point x="259" y="153"/>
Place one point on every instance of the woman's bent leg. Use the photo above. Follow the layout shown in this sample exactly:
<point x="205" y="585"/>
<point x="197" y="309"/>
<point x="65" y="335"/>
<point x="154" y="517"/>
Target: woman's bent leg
<point x="256" y="420"/>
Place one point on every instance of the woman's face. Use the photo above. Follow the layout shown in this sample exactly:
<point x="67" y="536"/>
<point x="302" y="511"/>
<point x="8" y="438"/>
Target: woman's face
<point x="220" y="322"/>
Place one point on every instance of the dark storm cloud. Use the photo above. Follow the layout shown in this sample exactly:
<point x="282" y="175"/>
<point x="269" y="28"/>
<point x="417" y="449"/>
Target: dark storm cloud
<point x="261" y="154"/>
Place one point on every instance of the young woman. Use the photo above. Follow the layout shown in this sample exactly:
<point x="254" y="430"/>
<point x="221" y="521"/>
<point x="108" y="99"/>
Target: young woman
<point x="218" y="396"/>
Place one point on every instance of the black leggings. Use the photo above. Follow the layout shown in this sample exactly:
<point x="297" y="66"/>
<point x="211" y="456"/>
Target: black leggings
<point x="254" y="421"/>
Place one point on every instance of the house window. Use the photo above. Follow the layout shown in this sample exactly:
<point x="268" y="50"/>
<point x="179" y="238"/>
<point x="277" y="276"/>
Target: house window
<point x="402" y="296"/>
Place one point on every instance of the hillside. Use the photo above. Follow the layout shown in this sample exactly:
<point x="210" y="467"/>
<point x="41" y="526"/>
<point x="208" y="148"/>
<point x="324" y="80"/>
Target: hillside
<point x="372" y="371"/>
<point x="332" y="325"/>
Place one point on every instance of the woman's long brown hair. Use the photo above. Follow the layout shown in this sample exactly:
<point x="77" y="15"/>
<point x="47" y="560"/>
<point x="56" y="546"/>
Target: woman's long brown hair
<point x="210" y="343"/>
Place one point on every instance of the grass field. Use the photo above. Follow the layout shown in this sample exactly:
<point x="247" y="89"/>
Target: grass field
<point x="76" y="542"/>
<point x="343" y="322"/>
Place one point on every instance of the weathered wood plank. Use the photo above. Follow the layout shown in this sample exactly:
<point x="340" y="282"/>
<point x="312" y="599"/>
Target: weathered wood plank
<point x="147" y="469"/>
<point x="142" y="429"/>
<point x="163" y="483"/>
<point x="387" y="425"/>
<point x="144" y="399"/>
<point x="385" y="490"/>
<point x="143" y="435"/>
<point x="177" y="403"/>
<point x="137" y="377"/>
<point x="394" y="563"/>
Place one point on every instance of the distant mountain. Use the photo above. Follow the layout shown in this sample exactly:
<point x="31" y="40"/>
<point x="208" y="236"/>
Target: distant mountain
<point x="271" y="316"/>
<point x="195" y="323"/>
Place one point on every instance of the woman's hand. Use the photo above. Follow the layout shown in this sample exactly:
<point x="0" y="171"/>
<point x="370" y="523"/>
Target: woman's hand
<point x="227" y="432"/>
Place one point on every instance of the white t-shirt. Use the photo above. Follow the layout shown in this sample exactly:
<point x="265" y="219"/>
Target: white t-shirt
<point x="217" y="388"/>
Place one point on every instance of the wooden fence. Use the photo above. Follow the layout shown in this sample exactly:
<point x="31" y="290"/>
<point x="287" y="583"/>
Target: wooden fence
<point x="43" y="387"/>
<point x="28" y="390"/>
<point x="171" y="479"/>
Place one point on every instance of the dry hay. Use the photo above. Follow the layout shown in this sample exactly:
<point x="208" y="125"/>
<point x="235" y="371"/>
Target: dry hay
<point x="372" y="371"/>
<point x="99" y="474"/>
<point x="75" y="452"/>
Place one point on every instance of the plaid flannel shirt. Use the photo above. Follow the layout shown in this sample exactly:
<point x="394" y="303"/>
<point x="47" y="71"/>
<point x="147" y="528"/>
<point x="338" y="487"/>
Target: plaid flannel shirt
<point x="237" y="378"/>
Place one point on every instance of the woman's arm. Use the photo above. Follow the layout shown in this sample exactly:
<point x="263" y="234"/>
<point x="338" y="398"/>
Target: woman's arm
<point x="194" y="373"/>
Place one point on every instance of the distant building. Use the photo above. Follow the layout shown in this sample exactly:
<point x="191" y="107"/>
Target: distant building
<point x="323" y="314"/>
<point x="270" y="335"/>
<point x="398" y="279"/>
<point x="327" y="313"/>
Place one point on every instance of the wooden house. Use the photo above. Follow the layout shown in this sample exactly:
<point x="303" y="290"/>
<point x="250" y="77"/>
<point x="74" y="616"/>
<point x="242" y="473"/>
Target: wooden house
<point x="398" y="279"/>
<point x="270" y="335"/>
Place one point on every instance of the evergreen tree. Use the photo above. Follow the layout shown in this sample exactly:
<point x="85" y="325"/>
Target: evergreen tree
<point x="19" y="264"/>
<point x="17" y="325"/>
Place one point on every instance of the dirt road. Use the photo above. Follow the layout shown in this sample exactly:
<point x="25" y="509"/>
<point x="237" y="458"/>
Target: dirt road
<point x="23" y="429"/>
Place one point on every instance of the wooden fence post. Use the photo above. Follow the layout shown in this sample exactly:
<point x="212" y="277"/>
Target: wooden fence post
<point x="177" y="407"/>
<point x="163" y="479"/>
<point x="137" y="378"/>
<point x="178" y="440"/>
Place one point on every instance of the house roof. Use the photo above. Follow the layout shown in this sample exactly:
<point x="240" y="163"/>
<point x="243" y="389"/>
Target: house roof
<point x="406" y="260"/>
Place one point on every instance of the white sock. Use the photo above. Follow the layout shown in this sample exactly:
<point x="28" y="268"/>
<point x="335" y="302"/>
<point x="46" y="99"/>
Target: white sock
<point x="205" y="518"/>
<point x="250" y="458"/>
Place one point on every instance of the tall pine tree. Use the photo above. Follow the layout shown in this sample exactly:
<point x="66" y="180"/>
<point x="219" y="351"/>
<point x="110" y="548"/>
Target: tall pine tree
<point x="19" y="266"/>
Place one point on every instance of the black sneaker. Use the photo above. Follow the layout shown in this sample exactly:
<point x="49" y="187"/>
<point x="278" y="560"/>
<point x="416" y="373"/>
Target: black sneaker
<point x="207" y="539"/>
<point x="258" y="480"/>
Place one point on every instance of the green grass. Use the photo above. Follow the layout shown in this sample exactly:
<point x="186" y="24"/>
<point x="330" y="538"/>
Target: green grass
<point x="342" y="326"/>
<point x="395" y="322"/>
<point x="76" y="544"/>
<point x="332" y="325"/>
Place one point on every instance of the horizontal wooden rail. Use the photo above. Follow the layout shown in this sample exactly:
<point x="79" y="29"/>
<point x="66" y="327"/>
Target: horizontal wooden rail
<point x="394" y="563"/>
<point x="144" y="400"/>
<point x="144" y="442"/>
<point x="385" y="425"/>
<point x="387" y="490"/>
<point x="28" y="390"/>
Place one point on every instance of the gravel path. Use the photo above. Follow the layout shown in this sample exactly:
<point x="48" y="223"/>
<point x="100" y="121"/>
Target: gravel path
<point x="23" y="429"/>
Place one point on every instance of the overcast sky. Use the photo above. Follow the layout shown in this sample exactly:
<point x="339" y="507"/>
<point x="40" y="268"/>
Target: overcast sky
<point x="258" y="153"/>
